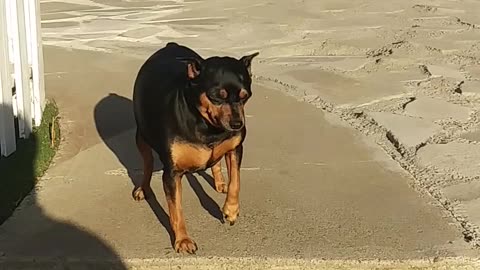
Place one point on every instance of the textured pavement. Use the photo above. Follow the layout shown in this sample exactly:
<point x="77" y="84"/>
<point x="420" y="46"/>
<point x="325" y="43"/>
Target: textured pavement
<point x="359" y="136"/>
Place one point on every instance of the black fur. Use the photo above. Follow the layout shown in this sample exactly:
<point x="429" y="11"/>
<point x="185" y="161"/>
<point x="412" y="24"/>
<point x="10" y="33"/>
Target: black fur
<point x="166" y="101"/>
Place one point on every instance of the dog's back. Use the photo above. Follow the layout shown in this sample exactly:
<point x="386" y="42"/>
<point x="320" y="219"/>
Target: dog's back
<point x="173" y="50"/>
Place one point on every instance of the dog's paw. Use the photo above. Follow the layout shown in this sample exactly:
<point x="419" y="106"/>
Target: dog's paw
<point x="185" y="245"/>
<point x="231" y="213"/>
<point x="138" y="194"/>
<point x="221" y="187"/>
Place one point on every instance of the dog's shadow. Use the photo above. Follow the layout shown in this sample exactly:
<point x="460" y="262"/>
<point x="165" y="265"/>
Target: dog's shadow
<point x="115" y="124"/>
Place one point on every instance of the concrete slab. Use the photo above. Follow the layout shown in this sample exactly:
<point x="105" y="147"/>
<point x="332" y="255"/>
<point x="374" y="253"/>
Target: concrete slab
<point x="118" y="76"/>
<point x="410" y="131"/>
<point x="311" y="187"/>
<point x="472" y="135"/>
<point x="472" y="209"/>
<point x="435" y="109"/>
<point x="463" y="191"/>
<point x="337" y="87"/>
<point x="467" y="198"/>
<point x="462" y="158"/>
<point x="452" y="72"/>
<point x="471" y="87"/>
<point x="342" y="63"/>
<point x="60" y="6"/>
<point x="473" y="71"/>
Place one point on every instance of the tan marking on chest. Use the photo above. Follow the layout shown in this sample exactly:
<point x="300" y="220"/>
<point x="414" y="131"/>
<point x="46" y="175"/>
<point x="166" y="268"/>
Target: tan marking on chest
<point x="186" y="156"/>
<point x="191" y="157"/>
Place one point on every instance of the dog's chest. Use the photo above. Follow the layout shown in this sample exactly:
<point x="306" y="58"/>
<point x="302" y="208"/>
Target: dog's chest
<point x="193" y="157"/>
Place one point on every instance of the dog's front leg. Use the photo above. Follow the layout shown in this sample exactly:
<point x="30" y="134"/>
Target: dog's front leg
<point x="231" y="206"/>
<point x="220" y="184"/>
<point x="172" y="185"/>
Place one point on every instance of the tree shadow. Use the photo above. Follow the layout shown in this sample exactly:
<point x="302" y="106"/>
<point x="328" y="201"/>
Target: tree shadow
<point x="29" y="238"/>
<point x="116" y="126"/>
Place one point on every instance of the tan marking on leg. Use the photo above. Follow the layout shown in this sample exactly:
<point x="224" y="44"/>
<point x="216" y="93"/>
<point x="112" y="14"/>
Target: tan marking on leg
<point x="220" y="184"/>
<point x="226" y="146"/>
<point x="173" y="192"/>
<point x="231" y="206"/>
<point x="147" y="156"/>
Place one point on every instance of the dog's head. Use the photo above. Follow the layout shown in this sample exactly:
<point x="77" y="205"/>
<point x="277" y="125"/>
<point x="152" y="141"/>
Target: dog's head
<point x="225" y="87"/>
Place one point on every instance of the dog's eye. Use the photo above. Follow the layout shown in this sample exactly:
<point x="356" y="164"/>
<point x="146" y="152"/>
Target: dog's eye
<point x="218" y="96"/>
<point x="223" y="94"/>
<point x="243" y="94"/>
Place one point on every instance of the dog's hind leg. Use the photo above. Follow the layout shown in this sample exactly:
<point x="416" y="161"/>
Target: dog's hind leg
<point x="220" y="184"/>
<point x="147" y="156"/>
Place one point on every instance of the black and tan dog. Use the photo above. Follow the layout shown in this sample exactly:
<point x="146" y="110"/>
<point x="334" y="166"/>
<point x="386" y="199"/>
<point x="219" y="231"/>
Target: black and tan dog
<point x="190" y="111"/>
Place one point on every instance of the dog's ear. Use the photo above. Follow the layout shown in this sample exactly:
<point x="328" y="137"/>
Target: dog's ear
<point x="193" y="70"/>
<point x="194" y="67"/>
<point x="247" y="61"/>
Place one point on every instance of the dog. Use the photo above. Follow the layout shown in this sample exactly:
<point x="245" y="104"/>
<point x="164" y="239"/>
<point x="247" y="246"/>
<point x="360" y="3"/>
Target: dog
<point x="190" y="111"/>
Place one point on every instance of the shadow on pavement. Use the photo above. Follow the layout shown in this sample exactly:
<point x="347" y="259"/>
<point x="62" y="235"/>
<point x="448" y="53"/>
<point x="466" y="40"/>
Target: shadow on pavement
<point x="30" y="239"/>
<point x="205" y="200"/>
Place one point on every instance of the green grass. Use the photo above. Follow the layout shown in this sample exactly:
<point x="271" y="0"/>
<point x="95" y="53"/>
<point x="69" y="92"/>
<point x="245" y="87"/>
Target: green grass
<point x="19" y="172"/>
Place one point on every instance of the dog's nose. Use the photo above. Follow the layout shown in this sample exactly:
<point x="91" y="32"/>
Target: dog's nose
<point x="235" y="124"/>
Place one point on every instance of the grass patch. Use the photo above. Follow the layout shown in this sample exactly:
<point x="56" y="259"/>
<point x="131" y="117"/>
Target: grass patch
<point x="19" y="172"/>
